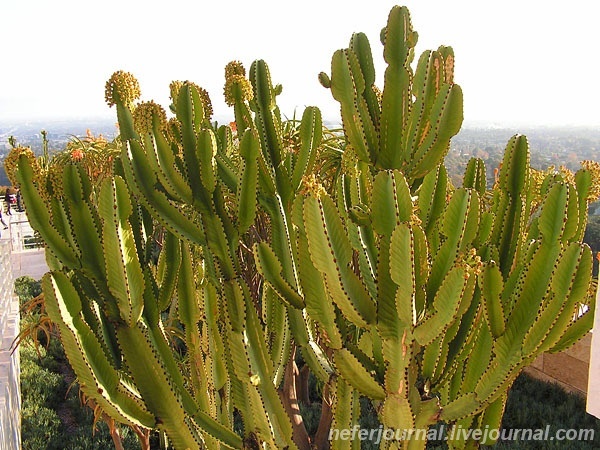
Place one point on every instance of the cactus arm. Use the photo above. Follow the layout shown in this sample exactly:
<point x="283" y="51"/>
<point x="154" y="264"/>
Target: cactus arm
<point x="227" y="171"/>
<point x="262" y="365"/>
<point x="190" y="113"/>
<point x="573" y="211"/>
<point x="426" y="80"/>
<point x="98" y="378"/>
<point x="313" y="288"/>
<point x="391" y="202"/>
<point x="461" y="407"/>
<point x="534" y="284"/>
<point x="432" y="197"/>
<point x="491" y="417"/>
<point x="125" y="279"/>
<point x="570" y="286"/>
<point x="249" y="380"/>
<point x="359" y="44"/>
<point x="39" y="217"/>
<point x="218" y="244"/>
<point x="158" y="392"/>
<point x="82" y="223"/>
<point x="511" y="208"/>
<point x="311" y="132"/>
<point x="216" y="343"/>
<point x="244" y="394"/>
<point x="331" y="252"/>
<point x="141" y="180"/>
<point x="399" y="40"/>
<point x="277" y="332"/>
<point x="459" y="225"/>
<point x="270" y="268"/>
<point x="583" y="182"/>
<point x="342" y="409"/>
<point x="206" y="149"/>
<point x="388" y="320"/>
<point x="268" y="122"/>
<point x="367" y="104"/>
<point x="161" y="153"/>
<point x="346" y="84"/>
<point x="397" y="412"/>
<point x="169" y="261"/>
<point x="578" y="328"/>
<point x="475" y="177"/>
<point x="446" y="304"/>
<point x="188" y="306"/>
<point x="446" y="118"/>
<point x="552" y="220"/>
<point x="491" y="285"/>
<point x="355" y="374"/>
<point x="249" y="149"/>
<point x="60" y="220"/>
<point x="190" y="315"/>
<point x="444" y="366"/>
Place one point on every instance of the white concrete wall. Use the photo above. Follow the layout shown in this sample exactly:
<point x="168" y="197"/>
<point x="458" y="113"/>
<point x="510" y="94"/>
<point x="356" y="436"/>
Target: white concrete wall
<point x="593" y="397"/>
<point x="10" y="392"/>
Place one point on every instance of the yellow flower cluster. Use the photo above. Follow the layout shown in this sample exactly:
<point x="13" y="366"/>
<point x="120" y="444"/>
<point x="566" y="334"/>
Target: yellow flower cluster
<point x="123" y="87"/>
<point x="594" y="168"/>
<point x="237" y="86"/>
<point x="349" y="160"/>
<point x="147" y="115"/>
<point x="312" y="185"/>
<point x="175" y="87"/>
<point x="174" y="129"/>
<point x="54" y="181"/>
<point x="12" y="160"/>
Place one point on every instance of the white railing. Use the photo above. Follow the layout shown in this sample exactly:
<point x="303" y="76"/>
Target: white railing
<point x="20" y="233"/>
<point x="593" y="393"/>
<point x="10" y="392"/>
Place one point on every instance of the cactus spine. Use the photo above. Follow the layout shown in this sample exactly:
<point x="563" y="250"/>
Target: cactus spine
<point x="388" y="282"/>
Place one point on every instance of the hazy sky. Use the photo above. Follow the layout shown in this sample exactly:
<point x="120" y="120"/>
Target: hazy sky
<point x="525" y="61"/>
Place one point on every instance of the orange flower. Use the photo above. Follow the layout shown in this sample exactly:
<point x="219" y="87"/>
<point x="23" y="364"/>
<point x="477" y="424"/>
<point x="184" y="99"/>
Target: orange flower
<point x="77" y="154"/>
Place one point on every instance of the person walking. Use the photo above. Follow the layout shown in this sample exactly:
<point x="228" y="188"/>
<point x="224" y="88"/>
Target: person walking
<point x="2" y="220"/>
<point x="7" y="199"/>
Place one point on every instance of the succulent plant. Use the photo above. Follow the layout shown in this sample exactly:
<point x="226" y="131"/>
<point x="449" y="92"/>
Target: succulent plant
<point x="393" y="285"/>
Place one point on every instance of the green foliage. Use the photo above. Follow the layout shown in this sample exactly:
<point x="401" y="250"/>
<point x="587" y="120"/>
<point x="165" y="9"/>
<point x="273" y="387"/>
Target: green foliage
<point x="26" y="288"/>
<point x="393" y="285"/>
<point x="40" y="425"/>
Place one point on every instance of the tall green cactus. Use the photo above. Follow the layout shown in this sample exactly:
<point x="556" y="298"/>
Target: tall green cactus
<point x="393" y="285"/>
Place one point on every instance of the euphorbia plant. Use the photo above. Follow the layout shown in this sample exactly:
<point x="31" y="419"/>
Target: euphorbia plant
<point x="393" y="285"/>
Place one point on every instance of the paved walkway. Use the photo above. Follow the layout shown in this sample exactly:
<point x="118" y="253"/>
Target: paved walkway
<point x="24" y="261"/>
<point x="29" y="262"/>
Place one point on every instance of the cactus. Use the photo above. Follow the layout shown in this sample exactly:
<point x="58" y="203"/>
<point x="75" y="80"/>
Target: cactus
<point x="385" y="277"/>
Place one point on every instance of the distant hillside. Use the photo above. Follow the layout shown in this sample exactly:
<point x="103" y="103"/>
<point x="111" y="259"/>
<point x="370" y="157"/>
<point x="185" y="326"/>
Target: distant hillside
<point x="549" y="145"/>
